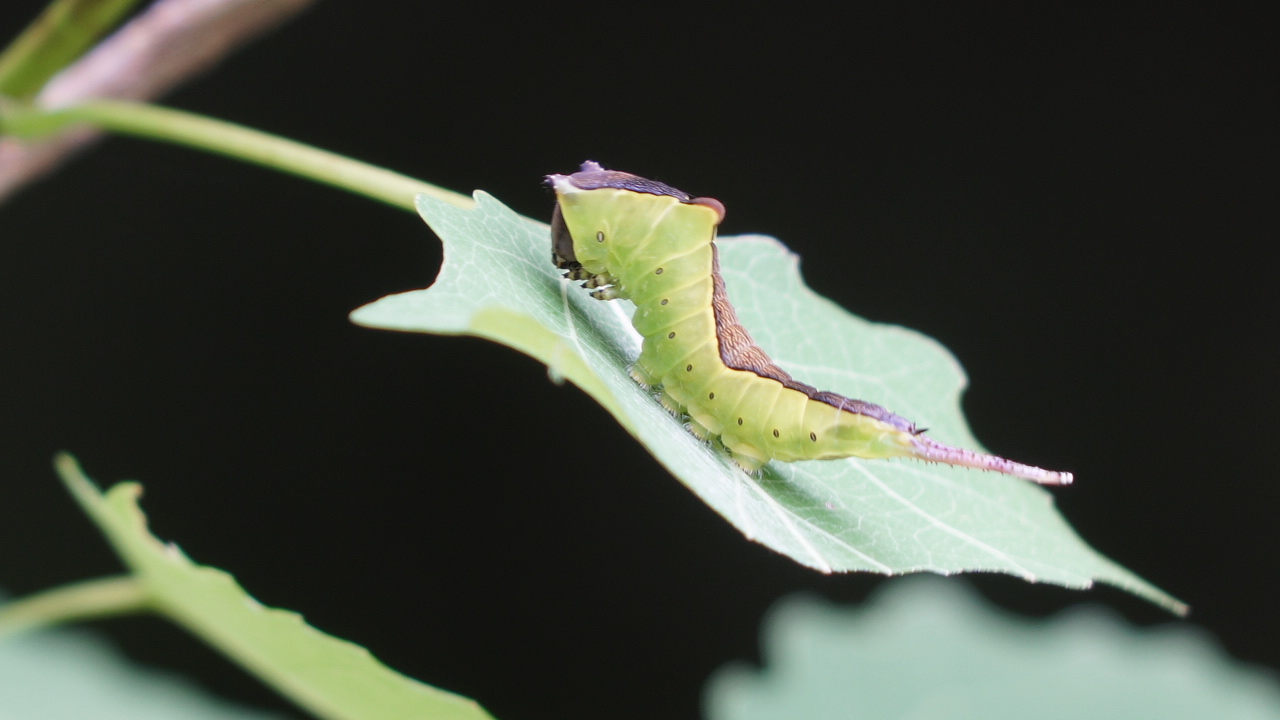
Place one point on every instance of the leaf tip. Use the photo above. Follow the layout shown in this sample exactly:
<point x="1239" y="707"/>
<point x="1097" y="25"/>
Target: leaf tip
<point x="66" y="465"/>
<point x="73" y="478"/>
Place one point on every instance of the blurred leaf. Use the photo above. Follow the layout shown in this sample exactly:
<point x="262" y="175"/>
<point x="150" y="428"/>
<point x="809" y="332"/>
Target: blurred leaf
<point x="332" y="678"/>
<point x="61" y="674"/>
<point x="930" y="648"/>
<point x="498" y="282"/>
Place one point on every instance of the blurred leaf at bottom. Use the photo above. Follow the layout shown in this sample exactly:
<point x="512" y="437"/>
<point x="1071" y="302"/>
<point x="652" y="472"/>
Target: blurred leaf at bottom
<point x="64" y="674"/>
<point x="928" y="647"/>
<point x="330" y="677"/>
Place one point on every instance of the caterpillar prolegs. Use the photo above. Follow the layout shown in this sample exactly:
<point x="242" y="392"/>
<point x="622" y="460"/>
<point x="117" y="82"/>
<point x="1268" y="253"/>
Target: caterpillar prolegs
<point x="628" y="237"/>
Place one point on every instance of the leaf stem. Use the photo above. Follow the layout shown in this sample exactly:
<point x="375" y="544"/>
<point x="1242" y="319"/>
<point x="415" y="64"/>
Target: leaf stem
<point x="182" y="128"/>
<point x="104" y="597"/>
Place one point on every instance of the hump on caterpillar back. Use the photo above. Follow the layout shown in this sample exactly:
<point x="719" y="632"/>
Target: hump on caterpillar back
<point x="572" y="200"/>
<point x="592" y="176"/>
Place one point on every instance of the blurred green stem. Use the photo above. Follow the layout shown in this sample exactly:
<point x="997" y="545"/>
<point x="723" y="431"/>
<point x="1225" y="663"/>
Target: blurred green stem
<point x="87" y="600"/>
<point x="224" y="138"/>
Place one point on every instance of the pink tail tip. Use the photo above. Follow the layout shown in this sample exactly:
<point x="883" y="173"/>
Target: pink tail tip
<point x="933" y="451"/>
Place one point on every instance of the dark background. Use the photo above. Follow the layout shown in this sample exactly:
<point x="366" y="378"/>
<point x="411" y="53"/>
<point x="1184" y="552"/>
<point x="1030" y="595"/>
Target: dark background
<point x="1073" y="203"/>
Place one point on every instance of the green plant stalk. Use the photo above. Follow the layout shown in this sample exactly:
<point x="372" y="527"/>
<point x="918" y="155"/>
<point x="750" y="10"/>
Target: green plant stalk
<point x="127" y="595"/>
<point x="88" y="600"/>
<point x="182" y="128"/>
<point x="62" y="33"/>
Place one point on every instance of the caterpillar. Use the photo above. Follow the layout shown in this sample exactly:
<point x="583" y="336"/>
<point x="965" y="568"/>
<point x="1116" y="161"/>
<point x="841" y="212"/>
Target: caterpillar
<point x="628" y="237"/>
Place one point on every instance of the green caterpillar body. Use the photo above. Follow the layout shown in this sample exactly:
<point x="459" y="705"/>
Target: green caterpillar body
<point x="633" y="238"/>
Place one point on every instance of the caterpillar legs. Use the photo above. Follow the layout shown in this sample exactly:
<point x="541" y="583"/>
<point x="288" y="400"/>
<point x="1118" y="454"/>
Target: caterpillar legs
<point x="604" y="283"/>
<point x="746" y="457"/>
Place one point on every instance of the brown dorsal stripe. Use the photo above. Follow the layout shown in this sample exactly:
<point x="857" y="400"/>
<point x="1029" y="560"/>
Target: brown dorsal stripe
<point x="739" y="351"/>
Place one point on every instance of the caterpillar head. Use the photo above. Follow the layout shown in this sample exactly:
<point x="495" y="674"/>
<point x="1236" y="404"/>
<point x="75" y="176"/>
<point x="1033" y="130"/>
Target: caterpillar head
<point x="592" y="176"/>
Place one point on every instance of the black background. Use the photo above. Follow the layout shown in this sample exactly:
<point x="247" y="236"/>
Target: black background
<point x="1074" y="203"/>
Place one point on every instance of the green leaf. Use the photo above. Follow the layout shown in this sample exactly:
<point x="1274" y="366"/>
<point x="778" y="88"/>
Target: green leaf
<point x="498" y="282"/>
<point x="928" y="648"/>
<point x="62" y="32"/>
<point x="63" y="674"/>
<point x="332" y="678"/>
